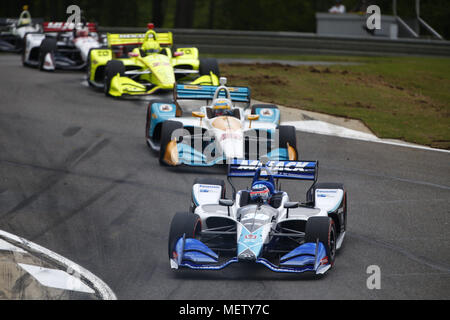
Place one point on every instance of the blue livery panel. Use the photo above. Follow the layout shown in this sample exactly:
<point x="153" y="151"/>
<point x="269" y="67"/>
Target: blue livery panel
<point x="160" y="112"/>
<point x="197" y="92"/>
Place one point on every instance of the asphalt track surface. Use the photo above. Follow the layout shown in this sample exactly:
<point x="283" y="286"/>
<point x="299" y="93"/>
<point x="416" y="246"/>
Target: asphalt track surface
<point x="77" y="177"/>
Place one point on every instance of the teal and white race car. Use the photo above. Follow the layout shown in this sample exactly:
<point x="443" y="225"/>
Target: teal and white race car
<point x="224" y="128"/>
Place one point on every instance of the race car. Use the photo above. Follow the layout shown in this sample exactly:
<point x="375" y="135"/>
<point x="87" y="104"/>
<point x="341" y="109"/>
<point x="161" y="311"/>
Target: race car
<point x="61" y="45"/>
<point x="218" y="131"/>
<point x="141" y="64"/>
<point x="261" y="224"/>
<point x="14" y="30"/>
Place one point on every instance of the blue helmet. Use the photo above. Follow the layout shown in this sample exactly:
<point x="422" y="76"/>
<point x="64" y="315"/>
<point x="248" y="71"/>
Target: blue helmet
<point x="260" y="193"/>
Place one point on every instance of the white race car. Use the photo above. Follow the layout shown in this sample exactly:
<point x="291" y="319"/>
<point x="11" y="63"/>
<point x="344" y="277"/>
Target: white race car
<point x="62" y="45"/>
<point x="261" y="224"/>
<point x="219" y="131"/>
<point x="11" y="38"/>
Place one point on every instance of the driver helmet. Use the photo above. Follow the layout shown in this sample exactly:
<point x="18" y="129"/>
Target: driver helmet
<point x="82" y="33"/>
<point x="221" y="107"/>
<point x="24" y="22"/>
<point x="151" y="46"/>
<point x="260" y="193"/>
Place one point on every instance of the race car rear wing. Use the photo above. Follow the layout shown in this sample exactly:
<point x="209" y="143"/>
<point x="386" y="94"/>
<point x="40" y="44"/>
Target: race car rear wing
<point x="65" y="27"/>
<point x="124" y="39"/>
<point x="197" y="92"/>
<point x="300" y="170"/>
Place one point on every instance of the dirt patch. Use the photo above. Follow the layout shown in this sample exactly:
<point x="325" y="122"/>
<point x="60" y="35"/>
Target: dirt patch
<point x="258" y="79"/>
<point x="359" y="105"/>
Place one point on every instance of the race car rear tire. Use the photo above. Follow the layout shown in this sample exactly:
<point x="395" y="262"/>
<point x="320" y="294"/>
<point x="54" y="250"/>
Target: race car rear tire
<point x="112" y="68"/>
<point x="207" y="65"/>
<point x="210" y="181"/>
<point x="183" y="223"/>
<point x="322" y="228"/>
<point x="168" y="127"/>
<point x="48" y="45"/>
<point x="287" y="135"/>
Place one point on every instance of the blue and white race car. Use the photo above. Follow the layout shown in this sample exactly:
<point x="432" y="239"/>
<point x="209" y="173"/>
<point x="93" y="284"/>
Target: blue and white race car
<point x="219" y="131"/>
<point x="261" y="225"/>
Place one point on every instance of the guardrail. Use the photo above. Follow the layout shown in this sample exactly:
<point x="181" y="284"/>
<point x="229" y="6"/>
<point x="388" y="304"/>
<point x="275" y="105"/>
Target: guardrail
<point x="251" y="42"/>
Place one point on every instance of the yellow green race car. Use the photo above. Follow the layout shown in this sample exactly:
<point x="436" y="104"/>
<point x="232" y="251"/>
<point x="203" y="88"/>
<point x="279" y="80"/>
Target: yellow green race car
<point x="141" y="64"/>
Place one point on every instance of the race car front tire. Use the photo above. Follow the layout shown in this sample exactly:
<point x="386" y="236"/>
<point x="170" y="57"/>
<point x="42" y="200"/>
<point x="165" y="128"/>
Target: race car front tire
<point x="323" y="229"/>
<point x="287" y="135"/>
<point x="48" y="45"/>
<point x="113" y="67"/>
<point x="168" y="127"/>
<point x="183" y="223"/>
<point x="207" y="65"/>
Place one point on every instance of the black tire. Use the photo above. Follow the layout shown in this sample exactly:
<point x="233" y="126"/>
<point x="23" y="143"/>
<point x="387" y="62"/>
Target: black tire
<point x="168" y="127"/>
<point x="207" y="65"/>
<point x="287" y="135"/>
<point x="48" y="45"/>
<point x="322" y="228"/>
<point x="112" y="68"/>
<point x="183" y="223"/>
<point x="266" y="106"/>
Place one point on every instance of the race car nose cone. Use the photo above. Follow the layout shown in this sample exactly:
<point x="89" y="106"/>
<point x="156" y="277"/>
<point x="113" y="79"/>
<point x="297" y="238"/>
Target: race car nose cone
<point x="232" y="148"/>
<point x="247" y="256"/>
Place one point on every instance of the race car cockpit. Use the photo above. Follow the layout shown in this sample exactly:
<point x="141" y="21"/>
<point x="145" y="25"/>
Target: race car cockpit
<point x="222" y="107"/>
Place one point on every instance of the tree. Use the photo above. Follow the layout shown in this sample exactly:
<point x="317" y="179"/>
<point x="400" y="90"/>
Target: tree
<point x="184" y="14"/>
<point x="158" y="10"/>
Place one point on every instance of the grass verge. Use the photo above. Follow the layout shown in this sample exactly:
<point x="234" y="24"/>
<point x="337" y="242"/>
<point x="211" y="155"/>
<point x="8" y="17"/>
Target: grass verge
<point x="405" y="98"/>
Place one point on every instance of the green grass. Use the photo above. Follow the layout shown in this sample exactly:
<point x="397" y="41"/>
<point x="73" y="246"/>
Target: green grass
<point x="404" y="98"/>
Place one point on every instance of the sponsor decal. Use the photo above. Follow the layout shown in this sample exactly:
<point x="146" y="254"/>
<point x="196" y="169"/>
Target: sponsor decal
<point x="230" y="135"/>
<point x="209" y="186"/>
<point x="250" y="236"/>
<point x="165" y="108"/>
<point x="129" y="36"/>
<point x="275" y="166"/>
<point x="267" y="112"/>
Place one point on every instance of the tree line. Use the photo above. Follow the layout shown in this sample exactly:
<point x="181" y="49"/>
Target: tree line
<point x="264" y="15"/>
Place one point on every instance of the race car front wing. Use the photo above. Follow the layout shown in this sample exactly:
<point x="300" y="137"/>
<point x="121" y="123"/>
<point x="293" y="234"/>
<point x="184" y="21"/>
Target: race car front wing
<point x="194" y="254"/>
